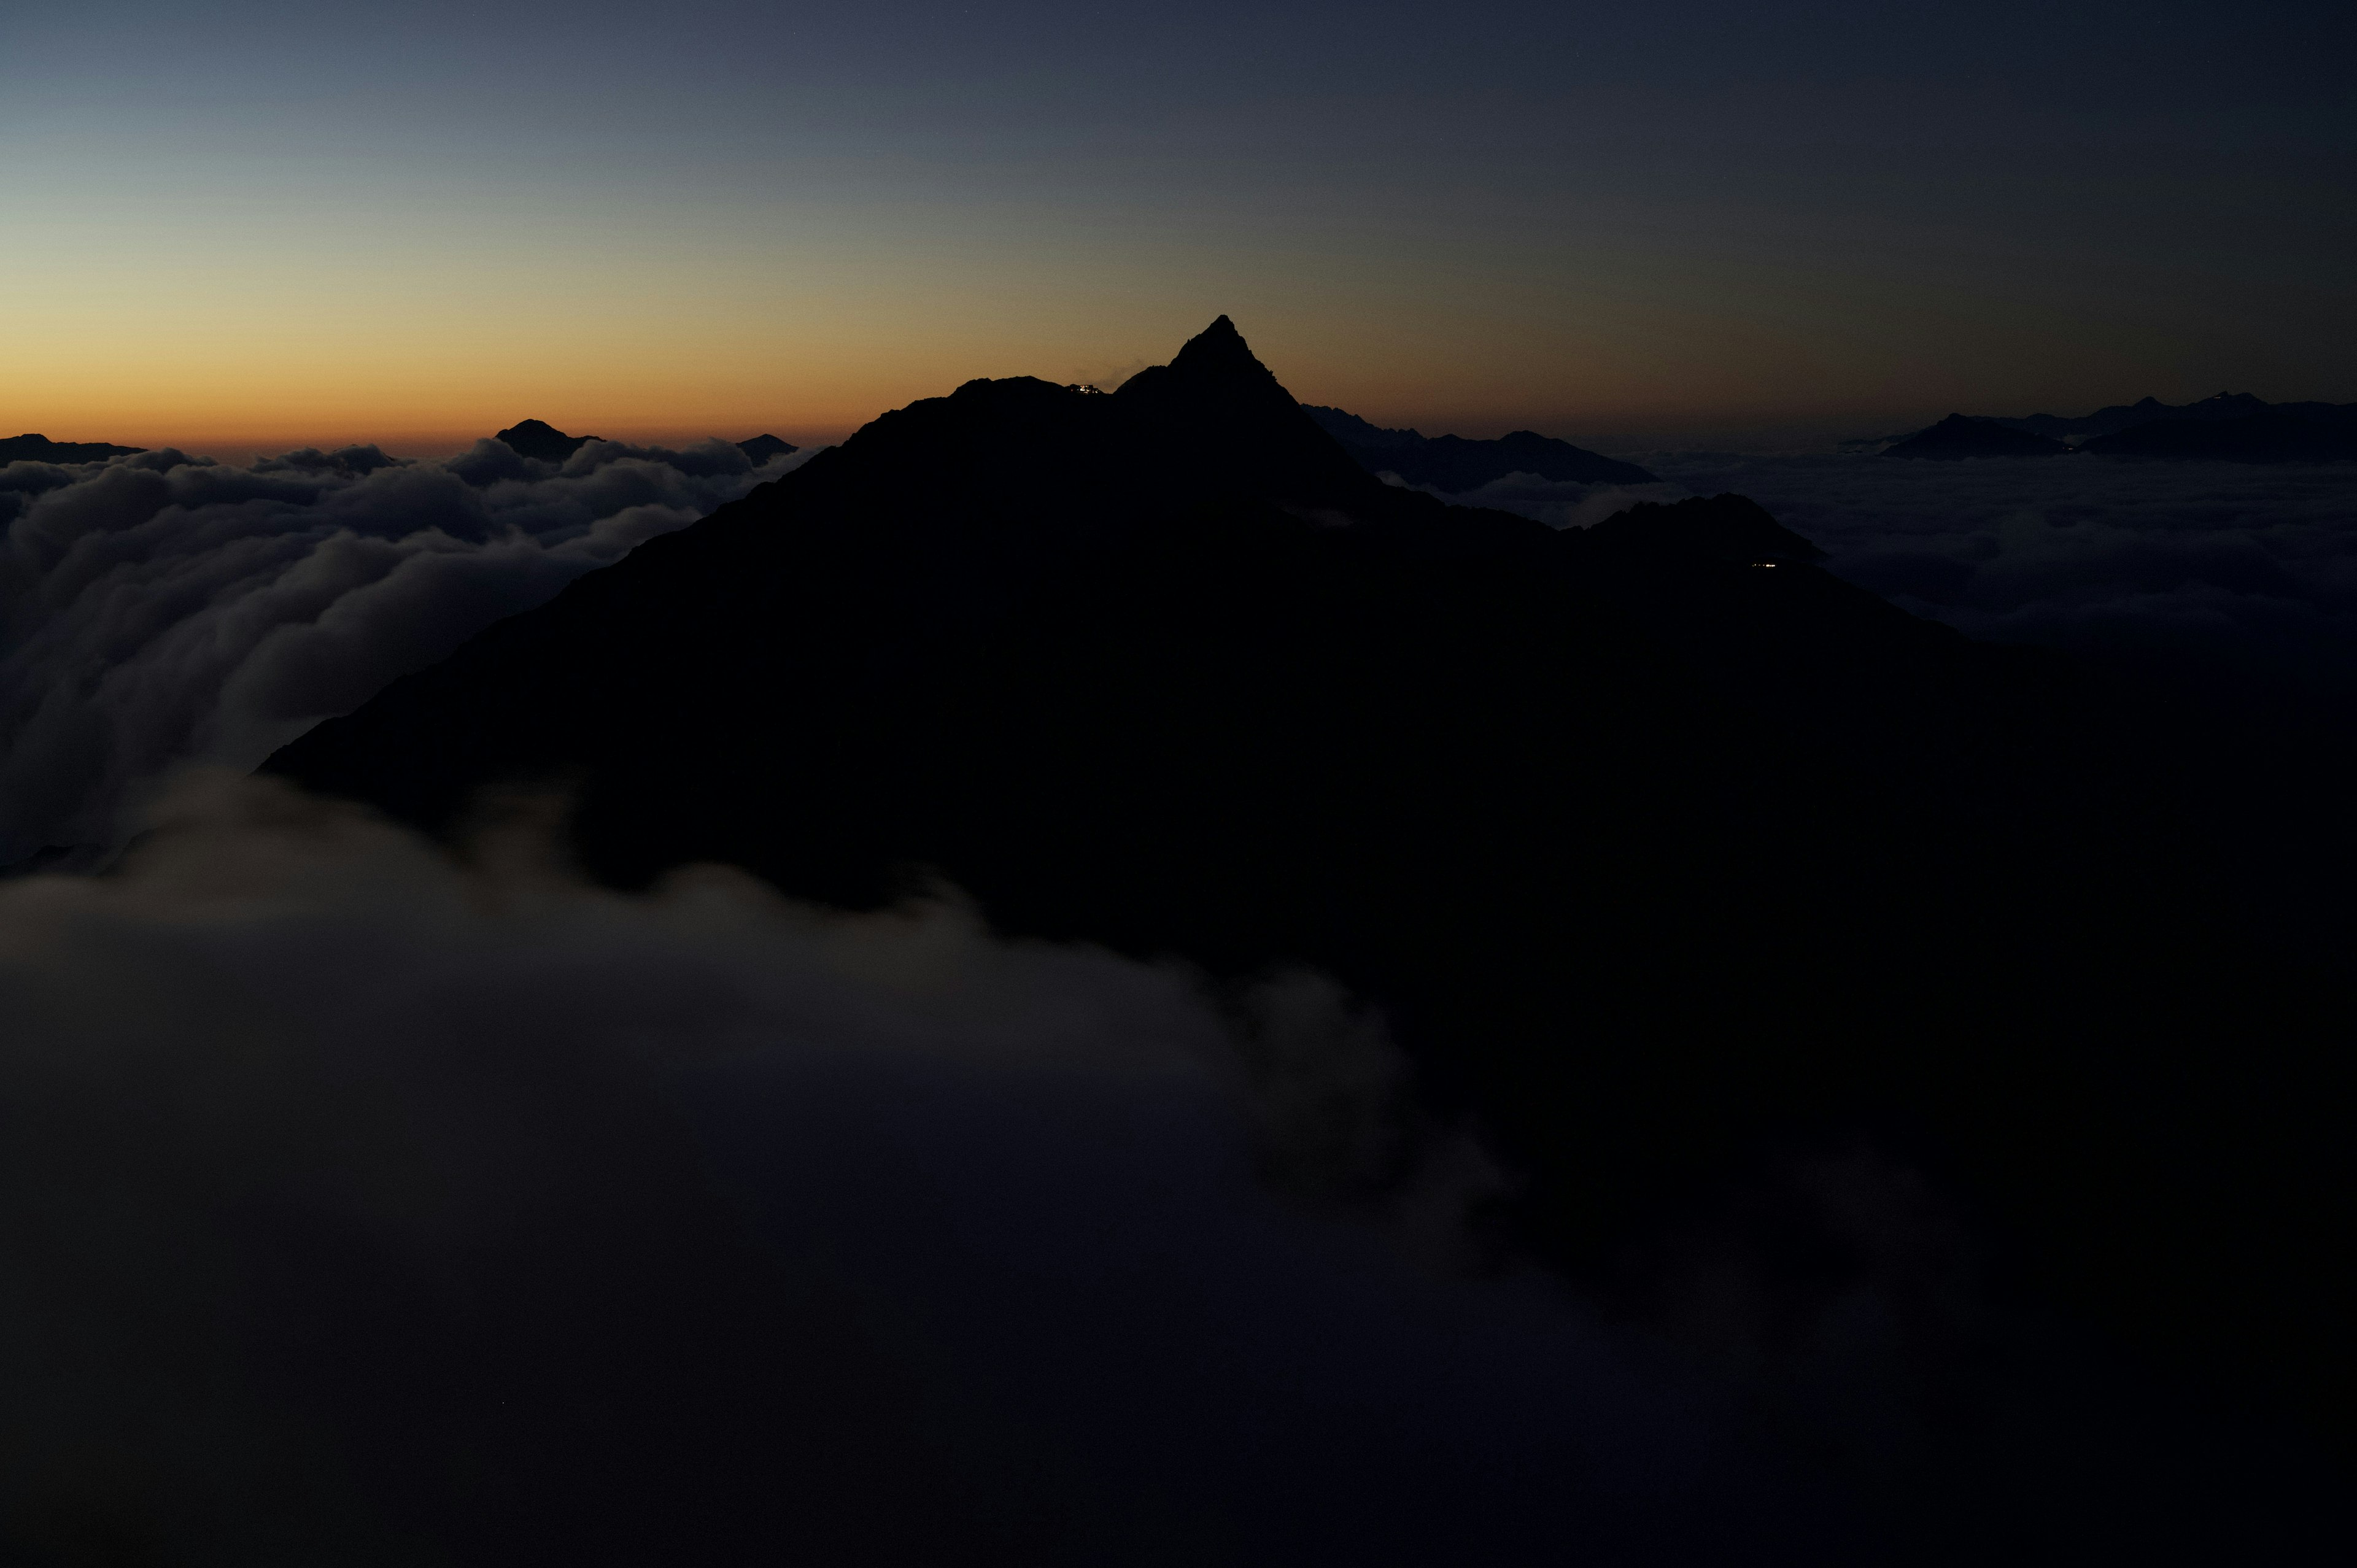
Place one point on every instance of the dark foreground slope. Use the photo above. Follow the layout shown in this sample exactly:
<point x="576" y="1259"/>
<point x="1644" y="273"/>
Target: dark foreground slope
<point x="1454" y="465"/>
<point x="1681" y="868"/>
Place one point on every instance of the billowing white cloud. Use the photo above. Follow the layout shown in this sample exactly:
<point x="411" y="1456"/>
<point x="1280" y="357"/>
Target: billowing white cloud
<point x="160" y="607"/>
<point x="359" y="1205"/>
<point x="363" y="1204"/>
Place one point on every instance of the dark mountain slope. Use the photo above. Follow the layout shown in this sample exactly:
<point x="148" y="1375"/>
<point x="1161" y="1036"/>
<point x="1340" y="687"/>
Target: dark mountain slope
<point x="761" y="449"/>
<point x="1455" y="464"/>
<point x="1960" y="436"/>
<point x="41" y="449"/>
<point x="537" y="439"/>
<point x="1674" y="860"/>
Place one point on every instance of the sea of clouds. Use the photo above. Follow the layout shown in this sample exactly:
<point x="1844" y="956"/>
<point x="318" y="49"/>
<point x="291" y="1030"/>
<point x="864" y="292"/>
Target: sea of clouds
<point x="363" y="1203"/>
<point x="163" y="608"/>
<point x="367" y="1202"/>
<point x="2214" y="570"/>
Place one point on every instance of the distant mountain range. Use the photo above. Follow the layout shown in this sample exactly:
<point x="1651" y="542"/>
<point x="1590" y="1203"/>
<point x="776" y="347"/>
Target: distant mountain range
<point x="2122" y="416"/>
<point x="1455" y="464"/>
<point x="1960" y="435"/>
<point x="761" y="449"/>
<point x="538" y="439"/>
<point x="2289" y="433"/>
<point x="1665" y="853"/>
<point x="527" y="438"/>
<point x="2230" y="427"/>
<point x="41" y="449"/>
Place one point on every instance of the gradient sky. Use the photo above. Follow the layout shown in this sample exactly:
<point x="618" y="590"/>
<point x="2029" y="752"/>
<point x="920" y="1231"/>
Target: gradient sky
<point x="262" y="223"/>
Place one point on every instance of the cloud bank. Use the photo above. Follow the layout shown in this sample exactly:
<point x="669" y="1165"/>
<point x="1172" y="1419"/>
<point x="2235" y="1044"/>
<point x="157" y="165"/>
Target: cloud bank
<point x="362" y="1205"/>
<point x="2218" y="571"/>
<point x="162" y="607"/>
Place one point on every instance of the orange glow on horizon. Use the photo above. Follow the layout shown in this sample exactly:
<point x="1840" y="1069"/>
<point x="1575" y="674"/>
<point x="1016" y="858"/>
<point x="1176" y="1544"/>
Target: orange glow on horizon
<point x="230" y="375"/>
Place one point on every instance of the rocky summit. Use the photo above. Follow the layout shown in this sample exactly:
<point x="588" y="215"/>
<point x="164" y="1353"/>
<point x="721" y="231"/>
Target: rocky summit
<point x="1674" y="861"/>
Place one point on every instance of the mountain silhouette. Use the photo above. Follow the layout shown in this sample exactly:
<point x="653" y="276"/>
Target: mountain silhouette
<point x="761" y="449"/>
<point x="1455" y="464"/>
<point x="2229" y="427"/>
<point x="2144" y="411"/>
<point x="1959" y="436"/>
<point x="534" y="438"/>
<point x="41" y="449"/>
<point x="2289" y="433"/>
<point x="1728" y="531"/>
<point x="1669" y="857"/>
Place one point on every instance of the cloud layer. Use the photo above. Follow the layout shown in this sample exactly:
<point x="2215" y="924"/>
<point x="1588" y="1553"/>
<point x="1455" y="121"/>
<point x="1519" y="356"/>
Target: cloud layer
<point x="2216" y="570"/>
<point x="163" y="608"/>
<point x="361" y="1204"/>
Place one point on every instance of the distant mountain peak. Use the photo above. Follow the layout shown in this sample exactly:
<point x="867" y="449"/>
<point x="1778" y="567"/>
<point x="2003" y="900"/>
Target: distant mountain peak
<point x="2118" y="418"/>
<point x="1219" y="352"/>
<point x="1216" y="394"/>
<point x="538" y="438"/>
<point x="1962" y="435"/>
<point x="761" y="449"/>
<point x="1219" y="337"/>
<point x="33" y="448"/>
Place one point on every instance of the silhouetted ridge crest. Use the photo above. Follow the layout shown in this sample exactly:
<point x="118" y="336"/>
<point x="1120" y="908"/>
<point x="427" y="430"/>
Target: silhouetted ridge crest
<point x="1960" y="435"/>
<point x="1454" y="465"/>
<point x="1219" y="350"/>
<point x="1660" y="865"/>
<point x="2275" y="435"/>
<point x="537" y="439"/>
<point x="760" y="449"/>
<point x="41" y="449"/>
<point x="2236" y="428"/>
<point x="1216" y="365"/>
<point x="2121" y="416"/>
<point x="1216" y="400"/>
